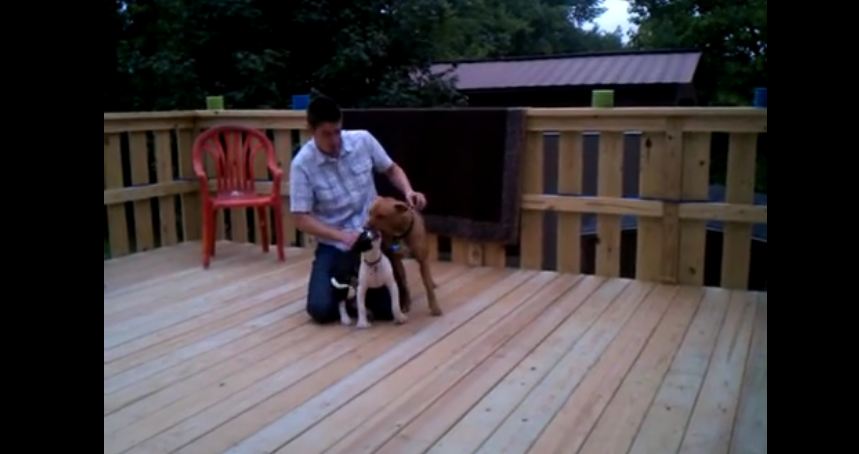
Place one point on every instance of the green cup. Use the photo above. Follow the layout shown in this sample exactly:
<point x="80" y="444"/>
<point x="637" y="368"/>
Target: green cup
<point x="215" y="102"/>
<point x="602" y="98"/>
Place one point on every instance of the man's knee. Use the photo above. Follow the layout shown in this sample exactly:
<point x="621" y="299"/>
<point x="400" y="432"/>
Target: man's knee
<point x="320" y="309"/>
<point x="321" y="304"/>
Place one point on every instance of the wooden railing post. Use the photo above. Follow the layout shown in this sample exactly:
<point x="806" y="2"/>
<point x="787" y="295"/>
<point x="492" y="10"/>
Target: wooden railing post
<point x="569" y="235"/>
<point x="116" y="224"/>
<point x="283" y="149"/>
<point x="307" y="241"/>
<point x="166" y="204"/>
<point x="459" y="250"/>
<point x="609" y="184"/>
<point x="531" y="239"/>
<point x="649" y="242"/>
<point x="191" y="209"/>
<point x="696" y="182"/>
<point x="139" y="156"/>
<point x="495" y="255"/>
<point x="432" y="247"/>
<point x="672" y="175"/>
<point x="736" y="247"/>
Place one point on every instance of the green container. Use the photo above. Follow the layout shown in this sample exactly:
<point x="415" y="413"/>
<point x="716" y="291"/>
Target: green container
<point x="215" y="102"/>
<point x="602" y="98"/>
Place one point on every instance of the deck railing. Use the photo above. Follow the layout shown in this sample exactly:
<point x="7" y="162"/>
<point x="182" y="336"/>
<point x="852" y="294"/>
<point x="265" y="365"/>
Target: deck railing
<point x="151" y="198"/>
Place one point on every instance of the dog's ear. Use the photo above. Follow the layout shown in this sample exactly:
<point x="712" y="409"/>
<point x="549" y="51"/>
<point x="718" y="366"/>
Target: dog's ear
<point x="401" y="207"/>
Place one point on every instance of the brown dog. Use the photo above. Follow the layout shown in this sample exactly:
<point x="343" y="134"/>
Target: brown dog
<point x="397" y="221"/>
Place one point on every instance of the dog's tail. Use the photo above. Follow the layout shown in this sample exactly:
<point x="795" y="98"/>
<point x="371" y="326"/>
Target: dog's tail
<point x="338" y="285"/>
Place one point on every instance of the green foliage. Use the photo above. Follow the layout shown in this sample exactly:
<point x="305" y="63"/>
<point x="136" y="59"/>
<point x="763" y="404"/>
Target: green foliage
<point x="170" y="54"/>
<point x="732" y="35"/>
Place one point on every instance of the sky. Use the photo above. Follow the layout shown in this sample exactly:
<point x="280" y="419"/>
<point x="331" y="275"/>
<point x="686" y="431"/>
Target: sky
<point x="616" y="14"/>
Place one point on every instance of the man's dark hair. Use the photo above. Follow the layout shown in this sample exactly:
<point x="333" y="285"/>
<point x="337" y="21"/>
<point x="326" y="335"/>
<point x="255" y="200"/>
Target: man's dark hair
<point x="323" y="110"/>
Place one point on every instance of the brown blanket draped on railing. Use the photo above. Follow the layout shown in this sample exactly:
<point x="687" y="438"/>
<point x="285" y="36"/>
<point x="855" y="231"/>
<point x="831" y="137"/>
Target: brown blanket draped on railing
<point x="466" y="161"/>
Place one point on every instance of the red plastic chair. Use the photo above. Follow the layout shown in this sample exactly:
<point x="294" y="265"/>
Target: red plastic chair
<point x="233" y="150"/>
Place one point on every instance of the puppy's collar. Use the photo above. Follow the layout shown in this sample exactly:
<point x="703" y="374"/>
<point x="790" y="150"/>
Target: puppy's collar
<point x="375" y="262"/>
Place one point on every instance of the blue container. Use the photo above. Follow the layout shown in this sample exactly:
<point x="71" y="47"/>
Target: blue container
<point x="760" y="97"/>
<point x="300" y="102"/>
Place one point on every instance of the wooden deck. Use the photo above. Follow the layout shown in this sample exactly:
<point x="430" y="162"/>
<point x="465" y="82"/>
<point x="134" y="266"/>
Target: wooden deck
<point x="522" y="361"/>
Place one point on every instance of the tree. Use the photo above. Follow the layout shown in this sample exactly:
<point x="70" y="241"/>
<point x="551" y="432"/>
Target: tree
<point x="731" y="34"/>
<point x="170" y="54"/>
<point x="499" y="28"/>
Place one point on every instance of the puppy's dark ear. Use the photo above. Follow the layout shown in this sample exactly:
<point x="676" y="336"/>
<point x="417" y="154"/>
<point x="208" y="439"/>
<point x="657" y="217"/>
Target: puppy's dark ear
<point x="401" y="207"/>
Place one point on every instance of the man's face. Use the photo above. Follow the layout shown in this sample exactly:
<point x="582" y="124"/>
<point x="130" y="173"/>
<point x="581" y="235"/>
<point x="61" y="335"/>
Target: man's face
<point x="327" y="137"/>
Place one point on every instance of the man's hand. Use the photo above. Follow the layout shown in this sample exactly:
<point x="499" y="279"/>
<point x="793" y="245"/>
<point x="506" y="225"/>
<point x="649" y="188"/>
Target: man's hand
<point x="400" y="181"/>
<point x="348" y="238"/>
<point x="416" y="200"/>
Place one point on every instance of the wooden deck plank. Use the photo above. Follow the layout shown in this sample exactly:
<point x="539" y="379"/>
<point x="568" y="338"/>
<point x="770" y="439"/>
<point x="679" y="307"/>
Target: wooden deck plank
<point x="750" y="427"/>
<point x="157" y="288"/>
<point x="289" y="342"/>
<point x="223" y="318"/>
<point x="315" y="353"/>
<point x="242" y="317"/>
<point x="424" y="319"/>
<point x="712" y="419"/>
<point x="522" y="427"/>
<point x="188" y="309"/>
<point x="378" y="425"/>
<point x="666" y="419"/>
<point x="163" y="377"/>
<point x="220" y="316"/>
<point x="182" y="330"/>
<point x="596" y="363"/>
<point x="181" y="333"/>
<point x="421" y="432"/>
<point x="202" y="363"/>
<point x="470" y="431"/>
<point x="619" y="422"/>
<point x="168" y="270"/>
<point x="122" y="372"/>
<point x="208" y="326"/>
<point x="483" y="292"/>
<point x="142" y="297"/>
<point x="230" y="369"/>
<point x="190" y="429"/>
<point x="191" y="305"/>
<point x="247" y="423"/>
<point x="124" y="378"/>
<point x="524" y="424"/>
<point x="574" y="421"/>
<point x="177" y="382"/>
<point x="223" y="407"/>
<point x="131" y="269"/>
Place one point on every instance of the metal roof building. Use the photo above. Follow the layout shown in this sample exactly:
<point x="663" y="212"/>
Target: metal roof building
<point x="651" y="78"/>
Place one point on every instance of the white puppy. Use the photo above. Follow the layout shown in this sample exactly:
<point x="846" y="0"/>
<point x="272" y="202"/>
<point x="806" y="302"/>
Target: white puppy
<point x="376" y="271"/>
